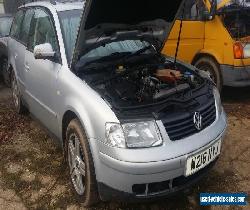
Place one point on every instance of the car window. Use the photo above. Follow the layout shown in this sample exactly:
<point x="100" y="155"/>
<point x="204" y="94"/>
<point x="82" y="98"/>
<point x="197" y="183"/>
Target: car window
<point x="17" y="25"/>
<point x="5" y="24"/>
<point x="26" y="25"/>
<point x="193" y="10"/>
<point x="42" y="31"/>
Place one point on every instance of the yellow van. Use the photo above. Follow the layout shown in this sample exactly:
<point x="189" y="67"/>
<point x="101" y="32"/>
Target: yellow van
<point x="217" y="42"/>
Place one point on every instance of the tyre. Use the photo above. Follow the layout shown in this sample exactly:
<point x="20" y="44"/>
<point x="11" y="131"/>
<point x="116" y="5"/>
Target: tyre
<point x="6" y="76"/>
<point x="80" y="164"/>
<point x="16" y="96"/>
<point x="210" y="65"/>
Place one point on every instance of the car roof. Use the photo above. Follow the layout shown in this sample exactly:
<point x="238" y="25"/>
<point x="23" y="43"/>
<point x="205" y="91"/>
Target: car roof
<point x="58" y="6"/>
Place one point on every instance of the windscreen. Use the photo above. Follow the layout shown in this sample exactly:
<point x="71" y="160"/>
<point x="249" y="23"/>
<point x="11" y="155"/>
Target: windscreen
<point x="114" y="48"/>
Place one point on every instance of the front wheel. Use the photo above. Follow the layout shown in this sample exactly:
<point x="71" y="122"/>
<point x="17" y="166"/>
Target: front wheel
<point x="16" y="96"/>
<point x="80" y="164"/>
<point x="209" y="65"/>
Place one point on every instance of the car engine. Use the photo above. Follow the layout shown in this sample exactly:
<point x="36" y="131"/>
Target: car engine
<point x="148" y="85"/>
<point x="137" y="85"/>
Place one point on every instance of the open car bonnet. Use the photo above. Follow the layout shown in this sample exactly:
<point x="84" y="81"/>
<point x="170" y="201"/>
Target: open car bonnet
<point x="108" y="21"/>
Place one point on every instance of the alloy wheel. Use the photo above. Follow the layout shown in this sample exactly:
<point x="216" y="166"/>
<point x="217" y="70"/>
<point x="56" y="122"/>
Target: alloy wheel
<point x="76" y="164"/>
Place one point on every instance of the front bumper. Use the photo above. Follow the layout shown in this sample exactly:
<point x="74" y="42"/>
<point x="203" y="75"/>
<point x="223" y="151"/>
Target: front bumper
<point x="235" y="76"/>
<point x="168" y="187"/>
<point x="119" y="178"/>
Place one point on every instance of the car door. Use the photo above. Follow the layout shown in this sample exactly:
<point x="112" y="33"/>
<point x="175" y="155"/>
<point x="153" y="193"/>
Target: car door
<point x="41" y="74"/>
<point x="192" y="34"/>
<point x="17" y="48"/>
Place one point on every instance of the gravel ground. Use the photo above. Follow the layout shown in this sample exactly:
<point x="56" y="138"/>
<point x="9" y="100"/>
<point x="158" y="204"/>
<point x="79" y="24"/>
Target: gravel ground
<point x="33" y="176"/>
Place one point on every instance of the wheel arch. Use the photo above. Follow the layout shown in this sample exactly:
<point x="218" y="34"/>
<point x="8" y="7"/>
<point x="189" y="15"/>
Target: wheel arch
<point x="3" y="50"/>
<point x="70" y="114"/>
<point x="6" y="73"/>
<point x="3" y="56"/>
<point x="204" y="54"/>
<point x="11" y="65"/>
<point x="67" y="117"/>
<point x="11" y="70"/>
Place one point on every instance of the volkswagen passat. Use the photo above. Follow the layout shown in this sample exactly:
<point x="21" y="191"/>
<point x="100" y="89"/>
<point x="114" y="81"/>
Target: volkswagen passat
<point x="133" y="123"/>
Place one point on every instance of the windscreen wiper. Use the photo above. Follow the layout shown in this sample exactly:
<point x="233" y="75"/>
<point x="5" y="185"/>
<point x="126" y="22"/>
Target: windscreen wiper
<point x="139" y="52"/>
<point x="119" y="57"/>
<point x="122" y="55"/>
<point x="113" y="56"/>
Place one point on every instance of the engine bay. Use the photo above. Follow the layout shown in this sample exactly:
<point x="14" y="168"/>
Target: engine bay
<point x="147" y="85"/>
<point x="141" y="82"/>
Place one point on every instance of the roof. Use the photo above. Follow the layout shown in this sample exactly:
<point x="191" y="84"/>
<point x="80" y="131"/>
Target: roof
<point x="70" y="5"/>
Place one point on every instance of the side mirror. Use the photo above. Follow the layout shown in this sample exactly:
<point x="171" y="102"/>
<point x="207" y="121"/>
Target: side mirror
<point x="44" y="51"/>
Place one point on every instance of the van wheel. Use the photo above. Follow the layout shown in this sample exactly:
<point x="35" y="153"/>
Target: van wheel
<point x="80" y="164"/>
<point x="209" y="65"/>
<point x="16" y="96"/>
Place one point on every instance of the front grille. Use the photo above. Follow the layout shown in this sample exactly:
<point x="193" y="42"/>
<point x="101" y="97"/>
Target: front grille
<point x="168" y="186"/>
<point x="181" y="126"/>
<point x="151" y="188"/>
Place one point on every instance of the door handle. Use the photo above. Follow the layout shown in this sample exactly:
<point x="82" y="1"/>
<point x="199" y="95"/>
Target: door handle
<point x="26" y="66"/>
<point x="16" y="55"/>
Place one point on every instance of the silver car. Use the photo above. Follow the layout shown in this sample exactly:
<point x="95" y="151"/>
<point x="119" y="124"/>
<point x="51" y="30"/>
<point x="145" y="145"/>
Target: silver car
<point x="133" y="124"/>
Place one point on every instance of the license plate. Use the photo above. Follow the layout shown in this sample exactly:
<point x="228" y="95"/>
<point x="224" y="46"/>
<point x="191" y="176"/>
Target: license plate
<point x="202" y="159"/>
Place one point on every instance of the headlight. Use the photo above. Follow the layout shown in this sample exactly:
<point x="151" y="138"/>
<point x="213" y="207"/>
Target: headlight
<point x="142" y="134"/>
<point x="133" y="135"/>
<point x="217" y="100"/>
